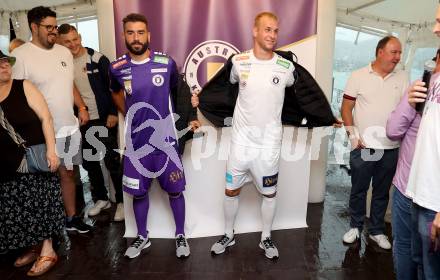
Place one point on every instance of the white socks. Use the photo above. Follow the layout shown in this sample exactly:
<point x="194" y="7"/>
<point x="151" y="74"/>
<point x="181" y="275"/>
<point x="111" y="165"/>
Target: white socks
<point x="268" y="207"/>
<point x="230" y="208"/>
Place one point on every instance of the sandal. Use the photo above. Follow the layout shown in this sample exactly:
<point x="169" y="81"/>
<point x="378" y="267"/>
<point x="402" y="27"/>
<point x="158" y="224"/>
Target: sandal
<point x="29" y="257"/>
<point x="36" y="269"/>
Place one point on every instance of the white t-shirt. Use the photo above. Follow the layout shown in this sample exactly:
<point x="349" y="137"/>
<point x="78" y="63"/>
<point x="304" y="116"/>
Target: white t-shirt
<point x="424" y="178"/>
<point x="51" y="71"/>
<point x="376" y="98"/>
<point x="83" y="85"/>
<point x="257" y="114"/>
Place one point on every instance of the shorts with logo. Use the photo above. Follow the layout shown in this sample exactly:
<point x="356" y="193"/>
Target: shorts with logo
<point x="139" y="173"/>
<point x="69" y="150"/>
<point x="246" y="164"/>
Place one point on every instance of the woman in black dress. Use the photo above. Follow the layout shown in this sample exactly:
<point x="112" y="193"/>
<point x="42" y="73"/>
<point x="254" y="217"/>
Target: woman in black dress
<point x="31" y="206"/>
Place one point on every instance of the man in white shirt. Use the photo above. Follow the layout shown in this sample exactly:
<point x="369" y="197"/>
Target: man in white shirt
<point x="424" y="178"/>
<point x="371" y="94"/>
<point x="50" y="67"/>
<point x="262" y="76"/>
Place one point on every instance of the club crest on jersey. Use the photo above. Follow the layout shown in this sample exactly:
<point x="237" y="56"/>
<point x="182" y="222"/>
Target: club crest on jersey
<point x="243" y="84"/>
<point x="204" y="60"/>
<point x="275" y="80"/>
<point x="127" y="87"/>
<point x="157" y="80"/>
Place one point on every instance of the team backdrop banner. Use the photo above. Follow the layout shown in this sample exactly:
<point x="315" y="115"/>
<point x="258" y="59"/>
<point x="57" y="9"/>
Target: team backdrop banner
<point x="200" y="35"/>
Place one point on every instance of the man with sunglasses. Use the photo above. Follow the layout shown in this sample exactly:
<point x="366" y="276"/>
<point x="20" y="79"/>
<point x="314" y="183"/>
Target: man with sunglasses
<point x="50" y="67"/>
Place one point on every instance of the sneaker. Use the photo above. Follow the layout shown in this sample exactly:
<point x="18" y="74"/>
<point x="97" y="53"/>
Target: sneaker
<point x="99" y="205"/>
<point x="381" y="240"/>
<point x="182" y="247"/>
<point x="137" y="246"/>
<point x="270" y="250"/>
<point x="119" y="214"/>
<point x="220" y="246"/>
<point x="351" y="236"/>
<point x="77" y="224"/>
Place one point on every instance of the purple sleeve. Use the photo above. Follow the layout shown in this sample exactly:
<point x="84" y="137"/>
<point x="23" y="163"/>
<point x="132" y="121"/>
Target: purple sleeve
<point x="400" y="119"/>
<point x="114" y="83"/>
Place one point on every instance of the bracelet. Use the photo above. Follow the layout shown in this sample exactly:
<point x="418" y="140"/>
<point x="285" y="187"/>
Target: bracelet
<point x="82" y="108"/>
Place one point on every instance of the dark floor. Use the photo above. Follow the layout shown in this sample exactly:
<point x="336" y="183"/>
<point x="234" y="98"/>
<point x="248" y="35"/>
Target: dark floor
<point x="315" y="252"/>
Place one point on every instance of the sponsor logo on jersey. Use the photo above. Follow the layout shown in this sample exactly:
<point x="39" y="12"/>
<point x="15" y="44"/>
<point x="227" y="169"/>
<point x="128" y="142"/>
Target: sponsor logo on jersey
<point x="130" y="183"/>
<point x="270" y="181"/>
<point x="228" y="178"/>
<point x="275" y="80"/>
<point x="197" y="61"/>
<point x="283" y="63"/>
<point x="161" y="59"/>
<point x="119" y="63"/>
<point x="242" y="57"/>
<point x="127" y="87"/>
<point x="125" y="71"/>
<point x="64" y="64"/>
<point x="157" y="80"/>
<point x="159" y="70"/>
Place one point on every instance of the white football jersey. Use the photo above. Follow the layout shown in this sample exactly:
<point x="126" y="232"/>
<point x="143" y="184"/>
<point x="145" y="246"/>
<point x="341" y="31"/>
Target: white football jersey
<point x="257" y="114"/>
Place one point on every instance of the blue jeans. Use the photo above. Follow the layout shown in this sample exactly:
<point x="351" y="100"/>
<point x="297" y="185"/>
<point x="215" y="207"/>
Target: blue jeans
<point x="429" y="262"/>
<point x="405" y="267"/>
<point x="381" y="173"/>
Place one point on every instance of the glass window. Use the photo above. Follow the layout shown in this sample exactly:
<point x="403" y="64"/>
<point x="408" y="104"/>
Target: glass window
<point x="421" y="56"/>
<point x="353" y="50"/>
<point x="89" y="33"/>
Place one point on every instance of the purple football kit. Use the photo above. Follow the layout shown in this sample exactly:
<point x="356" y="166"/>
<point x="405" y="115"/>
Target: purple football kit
<point x="151" y="139"/>
<point x="150" y="136"/>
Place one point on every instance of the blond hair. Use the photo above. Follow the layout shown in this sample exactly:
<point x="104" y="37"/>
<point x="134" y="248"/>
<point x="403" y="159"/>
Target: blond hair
<point x="264" y="14"/>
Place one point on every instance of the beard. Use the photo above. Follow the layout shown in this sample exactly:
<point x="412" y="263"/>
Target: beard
<point x="47" y="42"/>
<point x="137" y="51"/>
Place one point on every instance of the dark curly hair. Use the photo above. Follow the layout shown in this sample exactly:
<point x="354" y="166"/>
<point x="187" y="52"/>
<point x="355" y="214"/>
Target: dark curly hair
<point x="133" y="17"/>
<point x="37" y="14"/>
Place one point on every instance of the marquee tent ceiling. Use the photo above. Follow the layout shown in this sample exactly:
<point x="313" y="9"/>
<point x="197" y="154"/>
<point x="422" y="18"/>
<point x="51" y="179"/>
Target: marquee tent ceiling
<point x="14" y="5"/>
<point x="400" y="11"/>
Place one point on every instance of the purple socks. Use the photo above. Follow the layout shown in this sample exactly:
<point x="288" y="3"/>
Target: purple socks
<point x="177" y="203"/>
<point x="140" y="208"/>
<point x="141" y="205"/>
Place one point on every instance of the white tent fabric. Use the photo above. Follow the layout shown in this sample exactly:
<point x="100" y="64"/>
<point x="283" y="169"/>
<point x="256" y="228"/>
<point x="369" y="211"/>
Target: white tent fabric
<point x="4" y="24"/>
<point x="21" y="29"/>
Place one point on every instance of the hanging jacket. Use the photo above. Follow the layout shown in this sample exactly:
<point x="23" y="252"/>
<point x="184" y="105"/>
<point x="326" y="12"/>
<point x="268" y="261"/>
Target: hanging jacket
<point x="97" y="73"/>
<point x="305" y="104"/>
<point x="181" y="97"/>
